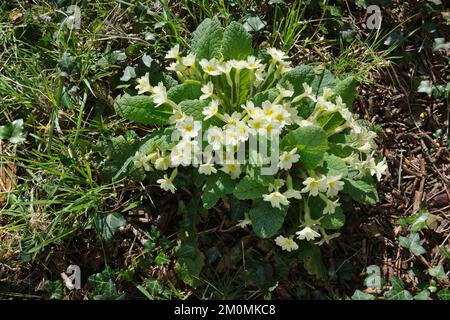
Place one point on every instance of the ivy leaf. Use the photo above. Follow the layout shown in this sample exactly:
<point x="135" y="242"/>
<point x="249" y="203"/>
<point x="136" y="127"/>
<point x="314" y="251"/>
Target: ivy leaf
<point x="422" y="295"/>
<point x="438" y="272"/>
<point x="13" y="132"/>
<point x="363" y="191"/>
<point x="440" y="44"/>
<point x="412" y="242"/>
<point x="420" y="221"/>
<point x="188" y="90"/>
<point x="254" y="24"/>
<point x="217" y="186"/>
<point x="207" y="39"/>
<point x="444" y="294"/>
<point x="311" y="143"/>
<point x="425" y="86"/>
<point x="128" y="74"/>
<point x="397" y="292"/>
<point x="360" y="295"/>
<point x="237" y="42"/>
<point x="107" y="225"/>
<point x="141" y="109"/>
<point x="266" y="220"/>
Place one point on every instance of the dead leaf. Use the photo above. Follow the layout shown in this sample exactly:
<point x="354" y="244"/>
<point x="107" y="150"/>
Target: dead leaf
<point x="7" y="178"/>
<point x="15" y="16"/>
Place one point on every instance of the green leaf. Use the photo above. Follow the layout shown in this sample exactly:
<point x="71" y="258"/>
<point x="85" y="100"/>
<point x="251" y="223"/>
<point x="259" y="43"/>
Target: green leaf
<point x="142" y="110"/>
<point x="104" y="286"/>
<point x="299" y="75"/>
<point x="412" y="242"/>
<point x="194" y="108"/>
<point x="444" y="294"/>
<point x="438" y="272"/>
<point x="253" y="24"/>
<point x="237" y="42"/>
<point x="360" y="295"/>
<point x="312" y="260"/>
<point x="311" y="143"/>
<point x="440" y="44"/>
<point x="333" y="221"/>
<point x="397" y="292"/>
<point x="425" y="86"/>
<point x="207" y="39"/>
<point x="107" y="225"/>
<point x="13" y="132"/>
<point x="266" y="220"/>
<point x="249" y="189"/>
<point x="330" y="122"/>
<point x="398" y="295"/>
<point x="190" y="262"/>
<point x="422" y="295"/>
<point x="363" y="191"/>
<point x="128" y="74"/>
<point x="318" y="78"/>
<point x="334" y="166"/>
<point x="347" y="90"/>
<point x="216" y="186"/>
<point x="188" y="90"/>
<point x="120" y="152"/>
<point x="267" y="95"/>
<point x="420" y="221"/>
<point x="55" y="289"/>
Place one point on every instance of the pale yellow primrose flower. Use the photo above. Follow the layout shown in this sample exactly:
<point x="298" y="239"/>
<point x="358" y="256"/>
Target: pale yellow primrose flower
<point x="173" y="53"/>
<point x="162" y="163"/>
<point x="287" y="159"/>
<point x="232" y="169"/>
<point x="331" y="206"/>
<point x="276" y="199"/>
<point x="286" y="243"/>
<point x="334" y="185"/>
<point x="166" y="184"/>
<point x="377" y="169"/>
<point x="307" y="233"/>
<point x="141" y="161"/>
<point x="159" y="94"/>
<point x="211" y="109"/>
<point x="188" y="61"/>
<point x="253" y="63"/>
<point x="207" y="90"/>
<point x="314" y="186"/>
<point x="245" y="222"/>
<point x="210" y="66"/>
<point x="207" y="169"/>
<point x="291" y="193"/>
<point x="143" y="84"/>
<point x="277" y="55"/>
<point x="215" y="137"/>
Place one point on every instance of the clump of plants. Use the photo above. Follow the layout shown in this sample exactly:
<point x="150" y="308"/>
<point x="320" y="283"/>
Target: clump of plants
<point x="247" y="124"/>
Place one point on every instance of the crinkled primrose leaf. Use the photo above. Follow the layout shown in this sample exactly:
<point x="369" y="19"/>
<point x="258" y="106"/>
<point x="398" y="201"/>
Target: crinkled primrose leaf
<point x="256" y="129"/>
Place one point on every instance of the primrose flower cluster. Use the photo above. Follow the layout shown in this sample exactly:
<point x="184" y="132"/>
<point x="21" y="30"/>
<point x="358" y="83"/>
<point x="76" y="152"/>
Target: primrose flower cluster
<point x="231" y="115"/>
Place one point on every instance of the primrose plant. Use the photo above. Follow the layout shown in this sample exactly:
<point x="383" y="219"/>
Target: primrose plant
<point x="252" y="127"/>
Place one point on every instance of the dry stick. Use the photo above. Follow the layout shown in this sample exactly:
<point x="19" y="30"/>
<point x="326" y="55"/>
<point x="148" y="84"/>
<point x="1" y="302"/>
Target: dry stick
<point x="435" y="169"/>
<point x="419" y="194"/>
